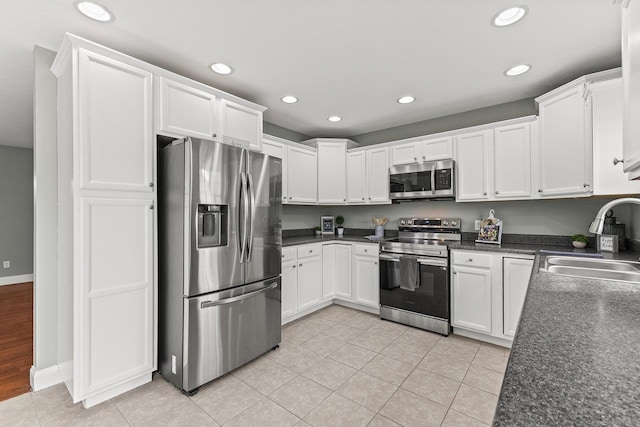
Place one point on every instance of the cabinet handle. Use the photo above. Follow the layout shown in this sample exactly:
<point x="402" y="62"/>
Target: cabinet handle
<point x="616" y="161"/>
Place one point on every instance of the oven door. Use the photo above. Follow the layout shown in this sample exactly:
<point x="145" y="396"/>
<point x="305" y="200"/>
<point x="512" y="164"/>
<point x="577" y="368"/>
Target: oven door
<point x="420" y="289"/>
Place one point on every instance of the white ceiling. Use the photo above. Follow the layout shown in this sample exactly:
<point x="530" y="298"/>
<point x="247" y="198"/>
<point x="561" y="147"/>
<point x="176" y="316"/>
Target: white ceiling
<point x="350" y="58"/>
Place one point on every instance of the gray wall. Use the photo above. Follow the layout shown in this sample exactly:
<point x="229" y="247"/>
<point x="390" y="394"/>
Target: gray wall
<point x="280" y="132"/>
<point x="495" y="113"/>
<point x="543" y="217"/>
<point x="16" y="210"/>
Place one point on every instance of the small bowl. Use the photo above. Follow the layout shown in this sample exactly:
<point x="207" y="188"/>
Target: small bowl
<point x="579" y="245"/>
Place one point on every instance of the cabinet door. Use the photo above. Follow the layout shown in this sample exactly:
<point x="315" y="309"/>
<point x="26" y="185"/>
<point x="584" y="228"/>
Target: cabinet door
<point x="186" y="111"/>
<point x="241" y="125"/>
<point x="366" y="280"/>
<point x="332" y="173"/>
<point x="343" y="272"/>
<point x="565" y="145"/>
<point x="631" y="87"/>
<point x="356" y="177"/>
<point x="302" y="175"/>
<point x="378" y="175"/>
<point x="607" y="110"/>
<point x="473" y="154"/>
<point x="512" y="162"/>
<point x="309" y="282"/>
<point x="115" y="125"/>
<point x="289" y="287"/>
<point x="516" y="273"/>
<point x="471" y="298"/>
<point x="329" y="272"/>
<point x="276" y="149"/>
<point x="404" y="154"/>
<point x="437" y="149"/>
<point x="115" y="293"/>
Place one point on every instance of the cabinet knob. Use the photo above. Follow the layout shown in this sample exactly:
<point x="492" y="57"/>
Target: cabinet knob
<point x="363" y="198"/>
<point x="470" y="259"/>
<point x="284" y="197"/>
<point x="289" y="197"/>
<point x="616" y="161"/>
<point x="214" y="135"/>
<point x="585" y="185"/>
<point x="455" y="272"/>
<point x="539" y="190"/>
<point x="151" y="207"/>
<point x="375" y="263"/>
<point x="415" y="159"/>
<point x="424" y="157"/>
<point x="299" y="265"/>
<point x="310" y="251"/>
<point x="497" y="192"/>
<point x="344" y="200"/>
<point x="151" y="183"/>
<point x="369" y="198"/>
<point x="485" y="193"/>
<point x="365" y="250"/>
<point x="294" y="266"/>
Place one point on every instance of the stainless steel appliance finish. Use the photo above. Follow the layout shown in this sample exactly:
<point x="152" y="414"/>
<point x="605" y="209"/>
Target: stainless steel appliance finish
<point x="414" y="277"/>
<point x="419" y="181"/>
<point x="220" y="239"/>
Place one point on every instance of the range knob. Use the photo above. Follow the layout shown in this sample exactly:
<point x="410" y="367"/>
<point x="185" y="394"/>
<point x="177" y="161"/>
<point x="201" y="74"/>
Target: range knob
<point x="454" y="223"/>
<point x="410" y="221"/>
<point x="402" y="222"/>
<point x="445" y="223"/>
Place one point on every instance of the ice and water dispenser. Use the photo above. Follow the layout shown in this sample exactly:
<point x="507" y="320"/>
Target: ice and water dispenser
<point x="212" y="225"/>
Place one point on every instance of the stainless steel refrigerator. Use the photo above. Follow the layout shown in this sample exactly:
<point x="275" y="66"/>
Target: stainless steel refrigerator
<point x="219" y="259"/>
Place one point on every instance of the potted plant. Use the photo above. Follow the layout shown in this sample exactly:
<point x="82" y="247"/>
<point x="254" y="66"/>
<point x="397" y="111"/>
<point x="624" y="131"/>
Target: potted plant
<point x="318" y="230"/>
<point x="579" y="241"/>
<point x="340" y="228"/>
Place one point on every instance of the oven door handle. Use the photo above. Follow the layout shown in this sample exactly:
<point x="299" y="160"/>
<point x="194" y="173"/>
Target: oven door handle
<point x="389" y="258"/>
<point x="434" y="262"/>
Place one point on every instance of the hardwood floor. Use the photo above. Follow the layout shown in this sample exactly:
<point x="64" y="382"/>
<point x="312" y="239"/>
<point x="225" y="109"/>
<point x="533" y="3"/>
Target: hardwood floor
<point x="16" y="338"/>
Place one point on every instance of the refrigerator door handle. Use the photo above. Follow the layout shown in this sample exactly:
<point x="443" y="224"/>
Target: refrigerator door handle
<point x="206" y="304"/>
<point x="252" y="212"/>
<point x="242" y="217"/>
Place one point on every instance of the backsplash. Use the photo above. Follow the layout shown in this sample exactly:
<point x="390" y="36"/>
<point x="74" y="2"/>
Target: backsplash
<point x="563" y="217"/>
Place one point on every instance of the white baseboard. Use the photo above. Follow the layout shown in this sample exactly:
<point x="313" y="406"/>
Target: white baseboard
<point x="482" y="337"/>
<point x="12" y="280"/>
<point x="44" y="378"/>
<point x="356" y="306"/>
<point x="117" y="390"/>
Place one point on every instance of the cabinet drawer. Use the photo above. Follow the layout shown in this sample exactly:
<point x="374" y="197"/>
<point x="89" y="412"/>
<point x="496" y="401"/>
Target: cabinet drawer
<point x="367" y="250"/>
<point x="309" y="250"/>
<point x="288" y="253"/>
<point x="475" y="259"/>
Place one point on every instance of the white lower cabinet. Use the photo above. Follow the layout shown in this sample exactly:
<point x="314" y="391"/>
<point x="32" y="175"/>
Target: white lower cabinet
<point x="309" y="281"/>
<point x="289" y="293"/>
<point x="366" y="275"/>
<point x="487" y="293"/>
<point x="336" y="271"/>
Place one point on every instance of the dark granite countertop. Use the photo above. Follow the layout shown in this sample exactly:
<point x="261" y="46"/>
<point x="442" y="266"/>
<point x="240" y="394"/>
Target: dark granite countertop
<point x="303" y="240"/>
<point x="576" y="355"/>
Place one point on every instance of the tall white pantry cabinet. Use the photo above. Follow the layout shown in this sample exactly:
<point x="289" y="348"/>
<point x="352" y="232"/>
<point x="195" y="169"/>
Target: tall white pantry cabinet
<point x="106" y="197"/>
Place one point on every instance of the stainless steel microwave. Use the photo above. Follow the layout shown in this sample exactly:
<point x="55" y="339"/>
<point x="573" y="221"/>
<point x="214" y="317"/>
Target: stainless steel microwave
<point x="419" y="181"/>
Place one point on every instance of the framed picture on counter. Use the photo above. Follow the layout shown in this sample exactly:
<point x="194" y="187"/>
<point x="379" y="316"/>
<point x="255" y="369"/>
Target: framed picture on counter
<point x="328" y="225"/>
<point x="490" y="230"/>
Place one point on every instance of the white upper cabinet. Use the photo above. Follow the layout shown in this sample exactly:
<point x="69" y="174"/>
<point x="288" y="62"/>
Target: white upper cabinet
<point x="631" y="87"/>
<point x="565" y="145"/>
<point x="186" y="111"/>
<point x="512" y="161"/>
<point x="302" y="175"/>
<point x="378" y="175"/>
<point x="332" y="173"/>
<point x="609" y="177"/>
<point x="114" y="124"/>
<point x="422" y="151"/>
<point x="473" y="162"/>
<point x="357" y="177"/>
<point x="241" y="125"/>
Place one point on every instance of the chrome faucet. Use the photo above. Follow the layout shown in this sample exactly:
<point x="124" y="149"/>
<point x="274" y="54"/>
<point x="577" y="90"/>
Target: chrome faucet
<point x="598" y="224"/>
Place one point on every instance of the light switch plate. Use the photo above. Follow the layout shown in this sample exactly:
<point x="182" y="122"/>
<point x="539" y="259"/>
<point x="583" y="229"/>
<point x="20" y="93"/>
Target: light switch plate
<point x="607" y="243"/>
<point x="478" y="224"/>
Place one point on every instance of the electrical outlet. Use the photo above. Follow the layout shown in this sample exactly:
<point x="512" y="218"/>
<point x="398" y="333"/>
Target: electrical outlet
<point x="478" y="222"/>
<point x="6" y="264"/>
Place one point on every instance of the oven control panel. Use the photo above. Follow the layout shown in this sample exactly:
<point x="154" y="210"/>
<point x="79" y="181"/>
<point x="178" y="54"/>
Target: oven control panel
<point x="429" y="223"/>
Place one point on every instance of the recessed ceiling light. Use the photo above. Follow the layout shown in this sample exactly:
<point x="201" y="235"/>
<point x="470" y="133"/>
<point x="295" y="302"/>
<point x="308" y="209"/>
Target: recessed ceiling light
<point x="334" y="118"/>
<point x="517" y="70"/>
<point x="289" y="99"/>
<point x="406" y="99"/>
<point x="94" y="11"/>
<point x="221" y="68"/>
<point x="510" y="16"/>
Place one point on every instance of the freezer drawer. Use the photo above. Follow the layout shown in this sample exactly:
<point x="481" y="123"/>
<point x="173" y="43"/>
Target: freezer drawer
<point x="228" y="329"/>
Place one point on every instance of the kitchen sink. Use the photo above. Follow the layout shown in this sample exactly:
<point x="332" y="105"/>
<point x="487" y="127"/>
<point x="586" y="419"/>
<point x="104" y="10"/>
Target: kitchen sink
<point x="623" y="271"/>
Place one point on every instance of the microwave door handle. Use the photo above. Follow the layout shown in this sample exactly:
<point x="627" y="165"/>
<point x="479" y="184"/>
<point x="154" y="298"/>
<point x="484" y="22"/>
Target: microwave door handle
<point x="433" y="178"/>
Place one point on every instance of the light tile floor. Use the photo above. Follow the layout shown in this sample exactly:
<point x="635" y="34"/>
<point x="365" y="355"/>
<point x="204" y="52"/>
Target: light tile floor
<point x="336" y="367"/>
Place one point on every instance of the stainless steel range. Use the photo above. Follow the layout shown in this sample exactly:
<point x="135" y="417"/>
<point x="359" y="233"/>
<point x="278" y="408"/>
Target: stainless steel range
<point x="414" y="273"/>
